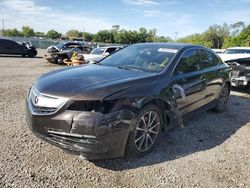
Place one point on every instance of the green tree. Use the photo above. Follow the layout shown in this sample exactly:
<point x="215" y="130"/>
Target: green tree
<point x="162" y="39"/>
<point x="11" y="32"/>
<point x="73" y="33"/>
<point x="105" y="36"/>
<point x="27" y="31"/>
<point x="236" y="28"/>
<point x="87" y="36"/>
<point x="53" y="34"/>
<point x="39" y="34"/>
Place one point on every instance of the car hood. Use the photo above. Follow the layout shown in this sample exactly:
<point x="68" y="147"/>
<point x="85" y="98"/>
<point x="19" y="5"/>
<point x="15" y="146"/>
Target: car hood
<point x="227" y="57"/>
<point x="89" y="57"/>
<point x="79" y="82"/>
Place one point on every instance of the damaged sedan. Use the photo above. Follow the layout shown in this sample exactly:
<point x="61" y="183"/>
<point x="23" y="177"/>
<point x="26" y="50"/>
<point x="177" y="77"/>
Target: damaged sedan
<point x="121" y="105"/>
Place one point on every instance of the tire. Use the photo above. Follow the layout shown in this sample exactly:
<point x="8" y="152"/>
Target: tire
<point x="146" y="132"/>
<point x="223" y="99"/>
<point x="30" y="54"/>
<point x="23" y="55"/>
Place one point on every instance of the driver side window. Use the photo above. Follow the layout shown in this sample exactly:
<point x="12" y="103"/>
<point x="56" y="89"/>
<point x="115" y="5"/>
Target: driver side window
<point x="189" y="62"/>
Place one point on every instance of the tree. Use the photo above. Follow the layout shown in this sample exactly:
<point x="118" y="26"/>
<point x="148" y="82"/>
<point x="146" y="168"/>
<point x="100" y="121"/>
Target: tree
<point x="162" y="39"/>
<point x="236" y="28"/>
<point x="53" y="34"/>
<point x="87" y="36"/>
<point x="105" y="36"/>
<point x="39" y="34"/>
<point x="27" y="31"/>
<point x="73" y="33"/>
<point x="11" y="32"/>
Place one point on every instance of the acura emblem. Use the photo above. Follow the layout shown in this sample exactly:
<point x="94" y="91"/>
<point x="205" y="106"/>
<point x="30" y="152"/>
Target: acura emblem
<point x="36" y="99"/>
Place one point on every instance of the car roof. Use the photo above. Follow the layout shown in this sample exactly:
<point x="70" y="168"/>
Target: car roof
<point x="172" y="45"/>
<point x="240" y="48"/>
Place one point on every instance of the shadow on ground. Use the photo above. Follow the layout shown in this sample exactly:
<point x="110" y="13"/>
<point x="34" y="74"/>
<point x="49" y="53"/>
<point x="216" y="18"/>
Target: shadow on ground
<point x="242" y="89"/>
<point x="202" y="131"/>
<point x="17" y="56"/>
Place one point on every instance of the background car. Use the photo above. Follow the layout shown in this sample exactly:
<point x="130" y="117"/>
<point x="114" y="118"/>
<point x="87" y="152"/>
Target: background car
<point x="238" y="58"/>
<point x="98" y="54"/>
<point x="57" y="55"/>
<point x="121" y="105"/>
<point x="68" y="46"/>
<point x="11" y="47"/>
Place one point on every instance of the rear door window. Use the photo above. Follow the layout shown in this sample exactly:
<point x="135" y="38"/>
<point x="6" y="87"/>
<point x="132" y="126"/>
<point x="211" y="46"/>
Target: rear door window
<point x="207" y="59"/>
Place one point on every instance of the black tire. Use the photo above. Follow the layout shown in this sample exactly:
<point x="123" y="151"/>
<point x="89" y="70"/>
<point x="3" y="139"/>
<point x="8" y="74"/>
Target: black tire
<point x="23" y="55"/>
<point x="30" y="54"/>
<point x="146" y="133"/>
<point x="223" y="99"/>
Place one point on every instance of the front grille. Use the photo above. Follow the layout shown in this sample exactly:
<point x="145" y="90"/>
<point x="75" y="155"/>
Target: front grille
<point x="43" y="110"/>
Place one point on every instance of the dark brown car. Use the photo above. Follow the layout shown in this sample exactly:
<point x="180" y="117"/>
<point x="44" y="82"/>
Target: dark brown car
<point x="121" y="105"/>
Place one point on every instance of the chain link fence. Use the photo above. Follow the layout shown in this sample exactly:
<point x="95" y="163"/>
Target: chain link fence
<point x="37" y="42"/>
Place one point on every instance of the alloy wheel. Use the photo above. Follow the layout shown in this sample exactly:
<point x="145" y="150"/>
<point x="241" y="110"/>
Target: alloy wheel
<point x="147" y="131"/>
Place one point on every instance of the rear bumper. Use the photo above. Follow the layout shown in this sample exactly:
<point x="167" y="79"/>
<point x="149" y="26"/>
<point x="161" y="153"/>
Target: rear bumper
<point x="92" y="135"/>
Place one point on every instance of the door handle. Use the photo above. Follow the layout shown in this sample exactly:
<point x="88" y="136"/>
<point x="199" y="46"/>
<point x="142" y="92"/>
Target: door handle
<point x="178" y="87"/>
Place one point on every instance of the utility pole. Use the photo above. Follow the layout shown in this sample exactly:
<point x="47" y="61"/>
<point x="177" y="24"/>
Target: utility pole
<point x="83" y="30"/>
<point x="3" y="28"/>
<point x="176" y="33"/>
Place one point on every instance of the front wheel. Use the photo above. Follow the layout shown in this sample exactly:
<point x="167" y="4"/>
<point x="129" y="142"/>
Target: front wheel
<point x="31" y="54"/>
<point x="223" y="99"/>
<point x="146" y="132"/>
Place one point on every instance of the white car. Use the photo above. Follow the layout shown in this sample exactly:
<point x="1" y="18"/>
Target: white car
<point x="238" y="58"/>
<point x="98" y="54"/>
<point x="235" y="53"/>
<point x="218" y="51"/>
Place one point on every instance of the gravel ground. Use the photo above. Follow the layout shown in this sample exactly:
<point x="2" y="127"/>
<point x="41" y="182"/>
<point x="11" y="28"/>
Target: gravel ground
<point x="211" y="151"/>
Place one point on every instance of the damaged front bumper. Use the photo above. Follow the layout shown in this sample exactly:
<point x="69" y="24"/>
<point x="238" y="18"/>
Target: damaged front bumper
<point x="91" y="134"/>
<point x="240" y="81"/>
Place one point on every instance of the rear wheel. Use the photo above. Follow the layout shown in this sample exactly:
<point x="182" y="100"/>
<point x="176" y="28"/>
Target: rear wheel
<point x="223" y="99"/>
<point x="146" y="133"/>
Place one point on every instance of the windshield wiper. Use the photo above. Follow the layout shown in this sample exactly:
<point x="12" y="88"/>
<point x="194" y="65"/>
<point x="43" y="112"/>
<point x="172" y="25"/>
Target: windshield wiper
<point x="128" y="68"/>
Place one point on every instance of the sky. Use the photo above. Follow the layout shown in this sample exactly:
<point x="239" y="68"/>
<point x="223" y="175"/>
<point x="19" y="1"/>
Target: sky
<point x="174" y="18"/>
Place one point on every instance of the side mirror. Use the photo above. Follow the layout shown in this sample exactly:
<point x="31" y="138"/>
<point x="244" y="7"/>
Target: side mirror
<point x="106" y="54"/>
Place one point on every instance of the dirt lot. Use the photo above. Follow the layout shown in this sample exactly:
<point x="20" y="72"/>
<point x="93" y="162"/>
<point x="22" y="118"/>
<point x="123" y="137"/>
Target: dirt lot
<point x="211" y="151"/>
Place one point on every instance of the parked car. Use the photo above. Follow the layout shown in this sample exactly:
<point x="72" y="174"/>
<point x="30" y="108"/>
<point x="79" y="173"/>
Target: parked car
<point x="235" y="53"/>
<point x="122" y="105"/>
<point x="66" y="46"/>
<point x="238" y="58"/>
<point x="98" y="54"/>
<point x="57" y="55"/>
<point x="218" y="51"/>
<point x="11" y="47"/>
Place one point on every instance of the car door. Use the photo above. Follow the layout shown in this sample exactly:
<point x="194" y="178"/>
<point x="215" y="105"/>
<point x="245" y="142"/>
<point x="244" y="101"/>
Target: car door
<point x="14" y="48"/>
<point x="6" y="46"/>
<point x="188" y="82"/>
<point x="209" y="65"/>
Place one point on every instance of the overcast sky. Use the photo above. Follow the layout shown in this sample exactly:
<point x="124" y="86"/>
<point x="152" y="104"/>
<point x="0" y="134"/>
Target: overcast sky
<point x="166" y="16"/>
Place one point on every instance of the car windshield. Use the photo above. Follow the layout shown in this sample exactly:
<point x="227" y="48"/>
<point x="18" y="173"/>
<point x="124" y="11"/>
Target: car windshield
<point x="149" y="58"/>
<point x="97" y="51"/>
<point x="60" y="46"/>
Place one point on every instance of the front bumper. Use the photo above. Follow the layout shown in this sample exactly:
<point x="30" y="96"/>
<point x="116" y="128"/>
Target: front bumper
<point x="240" y="81"/>
<point x="90" y="134"/>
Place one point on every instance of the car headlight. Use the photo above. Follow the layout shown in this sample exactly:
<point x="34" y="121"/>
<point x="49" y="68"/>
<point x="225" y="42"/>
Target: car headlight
<point x="41" y="100"/>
